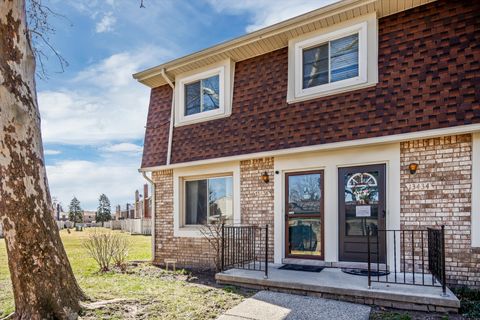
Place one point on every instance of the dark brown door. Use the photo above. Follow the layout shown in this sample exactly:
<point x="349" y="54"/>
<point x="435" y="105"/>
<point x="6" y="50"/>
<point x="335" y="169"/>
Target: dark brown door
<point x="361" y="193"/>
<point x="304" y="215"/>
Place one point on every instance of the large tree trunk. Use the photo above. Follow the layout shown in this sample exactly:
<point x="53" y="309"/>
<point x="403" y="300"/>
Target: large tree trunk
<point x="44" y="286"/>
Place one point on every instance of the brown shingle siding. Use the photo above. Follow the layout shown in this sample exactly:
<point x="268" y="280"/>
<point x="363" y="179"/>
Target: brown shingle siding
<point x="156" y="131"/>
<point x="429" y="75"/>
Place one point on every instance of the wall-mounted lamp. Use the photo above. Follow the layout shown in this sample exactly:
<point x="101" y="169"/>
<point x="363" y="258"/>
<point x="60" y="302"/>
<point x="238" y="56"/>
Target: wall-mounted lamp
<point x="413" y="167"/>
<point x="265" y="177"/>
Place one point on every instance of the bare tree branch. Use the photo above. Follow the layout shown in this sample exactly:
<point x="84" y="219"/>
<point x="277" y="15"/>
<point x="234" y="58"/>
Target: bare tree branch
<point x="40" y="30"/>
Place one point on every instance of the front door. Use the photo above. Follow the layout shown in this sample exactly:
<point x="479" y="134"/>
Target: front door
<point x="304" y="215"/>
<point x="361" y="196"/>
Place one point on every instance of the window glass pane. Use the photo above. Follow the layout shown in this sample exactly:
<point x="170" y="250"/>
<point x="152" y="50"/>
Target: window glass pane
<point x="196" y="202"/>
<point x="344" y="58"/>
<point x="361" y="203"/>
<point x="192" y="98"/>
<point x="220" y="198"/>
<point x="305" y="236"/>
<point x="315" y="66"/>
<point x="210" y="93"/>
<point x="304" y="194"/>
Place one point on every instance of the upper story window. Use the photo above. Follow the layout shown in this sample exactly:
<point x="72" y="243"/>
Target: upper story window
<point x="204" y="95"/>
<point x="332" y="61"/>
<point x="338" y="59"/>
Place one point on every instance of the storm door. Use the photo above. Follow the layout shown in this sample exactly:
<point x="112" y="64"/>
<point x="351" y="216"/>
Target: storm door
<point x="304" y="214"/>
<point x="361" y="207"/>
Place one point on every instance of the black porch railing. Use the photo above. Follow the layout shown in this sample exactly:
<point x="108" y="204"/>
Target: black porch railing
<point x="245" y="247"/>
<point x="418" y="257"/>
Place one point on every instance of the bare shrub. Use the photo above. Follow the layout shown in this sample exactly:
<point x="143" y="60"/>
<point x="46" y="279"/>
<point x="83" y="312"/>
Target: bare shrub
<point x="105" y="247"/>
<point x="120" y="252"/>
<point x="213" y="233"/>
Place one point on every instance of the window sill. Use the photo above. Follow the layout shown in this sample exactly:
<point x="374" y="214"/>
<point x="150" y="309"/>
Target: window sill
<point x="317" y="95"/>
<point x="188" y="232"/>
<point x="187" y="122"/>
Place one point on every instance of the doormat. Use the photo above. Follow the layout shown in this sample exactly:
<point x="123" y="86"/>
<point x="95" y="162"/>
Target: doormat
<point x="364" y="272"/>
<point x="298" y="267"/>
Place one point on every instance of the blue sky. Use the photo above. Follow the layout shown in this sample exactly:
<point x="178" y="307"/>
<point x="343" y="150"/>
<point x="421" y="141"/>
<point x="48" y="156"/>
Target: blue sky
<point x="94" y="113"/>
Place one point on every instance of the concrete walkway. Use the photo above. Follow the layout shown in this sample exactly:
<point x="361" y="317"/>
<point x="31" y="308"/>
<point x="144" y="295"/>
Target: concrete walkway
<point x="276" y="306"/>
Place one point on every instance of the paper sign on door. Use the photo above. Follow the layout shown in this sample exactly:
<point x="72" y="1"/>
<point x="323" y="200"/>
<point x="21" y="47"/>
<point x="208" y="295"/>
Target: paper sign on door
<point x="363" y="211"/>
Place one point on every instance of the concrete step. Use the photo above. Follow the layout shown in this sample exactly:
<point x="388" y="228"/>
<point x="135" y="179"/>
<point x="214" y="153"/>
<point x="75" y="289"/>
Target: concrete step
<point x="332" y="283"/>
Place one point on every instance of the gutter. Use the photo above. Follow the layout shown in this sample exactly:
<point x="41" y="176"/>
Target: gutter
<point x="152" y="184"/>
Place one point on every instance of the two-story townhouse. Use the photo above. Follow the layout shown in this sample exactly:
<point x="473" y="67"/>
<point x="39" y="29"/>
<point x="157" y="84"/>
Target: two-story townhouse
<point x="361" y="115"/>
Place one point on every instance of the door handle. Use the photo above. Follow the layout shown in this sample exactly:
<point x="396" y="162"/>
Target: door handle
<point x="384" y="213"/>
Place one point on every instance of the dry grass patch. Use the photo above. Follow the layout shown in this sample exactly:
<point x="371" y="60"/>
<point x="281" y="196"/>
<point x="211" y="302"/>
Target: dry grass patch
<point x="139" y="291"/>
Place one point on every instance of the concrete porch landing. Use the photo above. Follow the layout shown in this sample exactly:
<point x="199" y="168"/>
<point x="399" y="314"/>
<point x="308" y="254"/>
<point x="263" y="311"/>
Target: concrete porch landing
<point x="332" y="283"/>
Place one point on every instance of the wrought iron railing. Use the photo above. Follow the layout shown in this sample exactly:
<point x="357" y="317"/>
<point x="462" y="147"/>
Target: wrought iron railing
<point x="418" y="257"/>
<point x="245" y="247"/>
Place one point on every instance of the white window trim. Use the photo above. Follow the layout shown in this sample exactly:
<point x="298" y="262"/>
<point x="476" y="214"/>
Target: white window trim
<point x="198" y="172"/>
<point x="224" y="70"/>
<point x="475" y="214"/>
<point x="366" y="27"/>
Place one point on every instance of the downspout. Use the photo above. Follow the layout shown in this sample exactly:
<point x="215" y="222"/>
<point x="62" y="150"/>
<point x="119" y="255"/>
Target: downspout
<point x="172" y="116"/>
<point x="169" y="152"/>
<point x="144" y="174"/>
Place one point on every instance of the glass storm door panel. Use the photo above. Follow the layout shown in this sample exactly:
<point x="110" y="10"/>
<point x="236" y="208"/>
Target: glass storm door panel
<point x="361" y="207"/>
<point x="304" y="215"/>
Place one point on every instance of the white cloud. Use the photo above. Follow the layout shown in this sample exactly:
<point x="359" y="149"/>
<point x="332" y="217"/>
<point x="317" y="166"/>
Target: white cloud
<point x="103" y="104"/>
<point x="106" y="24"/>
<point x="87" y="180"/>
<point x="268" y="12"/>
<point x="103" y="108"/>
<point x="124" y="148"/>
<point x="51" y="152"/>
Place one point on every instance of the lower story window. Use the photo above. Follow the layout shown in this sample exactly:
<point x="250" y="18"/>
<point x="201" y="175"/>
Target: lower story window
<point x="208" y="200"/>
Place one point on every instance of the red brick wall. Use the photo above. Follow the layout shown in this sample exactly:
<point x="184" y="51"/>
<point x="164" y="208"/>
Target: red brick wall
<point x="429" y="65"/>
<point x="438" y="194"/>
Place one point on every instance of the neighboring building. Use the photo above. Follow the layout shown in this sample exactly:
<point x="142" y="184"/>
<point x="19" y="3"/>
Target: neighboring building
<point x="89" y="216"/>
<point x="143" y="204"/>
<point x="58" y="213"/>
<point x="331" y="108"/>
<point x="135" y="218"/>
<point x="127" y="213"/>
<point x="141" y="208"/>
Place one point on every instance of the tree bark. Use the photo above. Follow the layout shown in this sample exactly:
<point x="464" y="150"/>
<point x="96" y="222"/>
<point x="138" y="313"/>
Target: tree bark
<point x="44" y="286"/>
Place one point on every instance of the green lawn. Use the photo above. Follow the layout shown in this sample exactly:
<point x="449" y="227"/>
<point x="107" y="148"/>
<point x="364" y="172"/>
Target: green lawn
<point x="146" y="292"/>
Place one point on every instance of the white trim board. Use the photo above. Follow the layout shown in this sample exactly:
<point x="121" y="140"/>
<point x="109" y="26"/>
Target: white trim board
<point x="471" y="128"/>
<point x="475" y="213"/>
